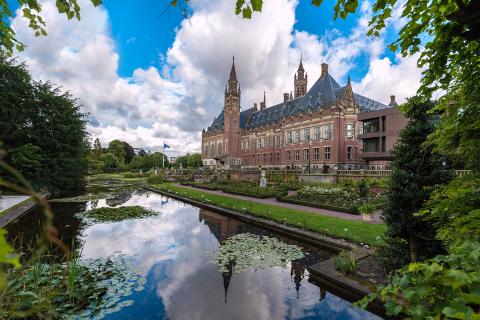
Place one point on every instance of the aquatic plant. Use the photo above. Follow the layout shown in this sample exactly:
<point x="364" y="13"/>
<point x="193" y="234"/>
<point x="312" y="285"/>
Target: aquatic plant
<point x="345" y="262"/>
<point x="247" y="251"/>
<point x="43" y="291"/>
<point x="108" y="214"/>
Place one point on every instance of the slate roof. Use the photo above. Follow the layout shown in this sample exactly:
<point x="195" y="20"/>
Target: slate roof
<point x="323" y="94"/>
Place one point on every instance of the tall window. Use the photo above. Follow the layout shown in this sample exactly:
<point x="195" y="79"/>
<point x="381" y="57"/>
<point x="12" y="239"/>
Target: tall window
<point x="306" y="134"/>
<point x="277" y="157"/>
<point x="258" y="158"/>
<point x="297" y="136"/>
<point x="328" y="132"/>
<point x="289" y="137"/>
<point x="297" y="155"/>
<point x="306" y="154"/>
<point x="349" y="153"/>
<point x="349" y="130"/>
<point x="205" y="150"/>
<point x="316" y="132"/>
<point x="326" y="151"/>
<point x="277" y="141"/>
<point x="316" y="154"/>
<point x="220" y="151"/>
<point x="271" y="157"/>
<point x="289" y="155"/>
<point x="264" y="141"/>
<point x="264" y="158"/>
<point x="259" y="143"/>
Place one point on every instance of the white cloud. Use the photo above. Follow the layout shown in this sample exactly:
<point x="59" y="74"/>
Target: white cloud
<point x="384" y="78"/>
<point x="176" y="102"/>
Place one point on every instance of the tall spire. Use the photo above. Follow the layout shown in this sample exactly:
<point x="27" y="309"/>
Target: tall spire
<point x="233" y="73"/>
<point x="300" y="67"/>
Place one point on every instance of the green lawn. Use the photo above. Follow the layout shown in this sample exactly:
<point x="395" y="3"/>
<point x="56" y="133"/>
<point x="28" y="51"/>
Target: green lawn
<point x="356" y="231"/>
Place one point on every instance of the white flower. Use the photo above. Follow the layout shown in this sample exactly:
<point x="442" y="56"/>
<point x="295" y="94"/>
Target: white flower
<point x="378" y="238"/>
<point x="346" y="230"/>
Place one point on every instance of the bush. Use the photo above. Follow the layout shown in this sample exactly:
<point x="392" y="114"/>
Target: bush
<point x="345" y="262"/>
<point x="393" y="253"/>
<point x="367" y="208"/>
<point x="363" y="189"/>
<point x="155" y="179"/>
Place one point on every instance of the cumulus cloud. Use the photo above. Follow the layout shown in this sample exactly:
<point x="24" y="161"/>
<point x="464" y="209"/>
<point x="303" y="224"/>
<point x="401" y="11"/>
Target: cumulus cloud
<point x="176" y="102"/>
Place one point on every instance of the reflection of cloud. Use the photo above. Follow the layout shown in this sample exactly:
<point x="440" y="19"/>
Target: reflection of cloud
<point x="170" y="250"/>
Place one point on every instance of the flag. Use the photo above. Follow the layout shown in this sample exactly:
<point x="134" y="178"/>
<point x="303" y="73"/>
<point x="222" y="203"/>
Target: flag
<point x="165" y="145"/>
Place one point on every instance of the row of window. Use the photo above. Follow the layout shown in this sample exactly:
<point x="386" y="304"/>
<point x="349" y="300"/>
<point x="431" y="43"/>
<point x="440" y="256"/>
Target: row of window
<point x="308" y="134"/>
<point x="294" y="155"/>
<point x="213" y="149"/>
<point x="262" y="142"/>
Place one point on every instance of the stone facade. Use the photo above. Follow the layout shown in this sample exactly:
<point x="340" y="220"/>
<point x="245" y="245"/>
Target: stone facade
<point x="314" y="129"/>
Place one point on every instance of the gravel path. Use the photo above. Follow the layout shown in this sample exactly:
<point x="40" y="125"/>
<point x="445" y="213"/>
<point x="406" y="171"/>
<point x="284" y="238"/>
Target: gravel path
<point x="274" y="202"/>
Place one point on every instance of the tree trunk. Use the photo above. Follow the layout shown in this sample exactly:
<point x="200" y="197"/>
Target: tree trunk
<point x="413" y="249"/>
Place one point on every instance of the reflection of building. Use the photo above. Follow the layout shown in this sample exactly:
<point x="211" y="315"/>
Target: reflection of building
<point x="297" y="272"/>
<point x="221" y="227"/>
<point x="309" y="128"/>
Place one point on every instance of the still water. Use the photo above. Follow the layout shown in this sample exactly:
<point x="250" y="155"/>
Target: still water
<point x="170" y="251"/>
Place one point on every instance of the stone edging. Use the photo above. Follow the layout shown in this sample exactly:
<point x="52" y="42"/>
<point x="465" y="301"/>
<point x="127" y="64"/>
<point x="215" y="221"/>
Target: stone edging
<point x="323" y="272"/>
<point x="18" y="211"/>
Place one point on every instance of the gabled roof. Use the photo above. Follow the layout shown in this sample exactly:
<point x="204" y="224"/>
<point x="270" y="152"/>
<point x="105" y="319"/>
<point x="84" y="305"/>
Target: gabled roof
<point x="324" y="93"/>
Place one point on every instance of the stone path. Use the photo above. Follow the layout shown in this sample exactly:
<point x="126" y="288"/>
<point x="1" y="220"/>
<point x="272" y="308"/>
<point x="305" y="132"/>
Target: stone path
<point x="19" y="211"/>
<point x="272" y="201"/>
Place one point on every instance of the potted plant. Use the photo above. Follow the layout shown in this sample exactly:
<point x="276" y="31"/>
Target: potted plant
<point x="366" y="210"/>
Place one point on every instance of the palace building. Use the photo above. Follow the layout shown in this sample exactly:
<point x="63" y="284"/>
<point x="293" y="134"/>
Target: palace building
<point x="326" y="126"/>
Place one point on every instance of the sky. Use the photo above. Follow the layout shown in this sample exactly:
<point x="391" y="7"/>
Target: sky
<point x="145" y="74"/>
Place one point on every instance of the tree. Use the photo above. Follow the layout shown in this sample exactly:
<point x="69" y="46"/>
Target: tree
<point x="97" y="148"/>
<point x="193" y="160"/>
<point x="110" y="161"/>
<point x="148" y="161"/>
<point x="416" y="169"/>
<point x="42" y="130"/>
<point x="129" y="153"/>
<point x="117" y="148"/>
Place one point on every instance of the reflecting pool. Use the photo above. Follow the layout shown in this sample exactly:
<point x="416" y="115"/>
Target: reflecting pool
<point x="170" y="251"/>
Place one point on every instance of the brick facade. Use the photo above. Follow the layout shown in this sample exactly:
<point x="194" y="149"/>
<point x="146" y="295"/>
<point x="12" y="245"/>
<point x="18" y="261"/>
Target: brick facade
<point x="316" y="128"/>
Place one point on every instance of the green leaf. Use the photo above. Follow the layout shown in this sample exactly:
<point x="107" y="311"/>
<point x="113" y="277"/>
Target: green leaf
<point x="247" y="13"/>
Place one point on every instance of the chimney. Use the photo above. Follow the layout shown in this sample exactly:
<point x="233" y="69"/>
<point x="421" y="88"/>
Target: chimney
<point x="324" y="70"/>
<point x="262" y="105"/>
<point x="255" y="106"/>
<point x="286" y="97"/>
<point x="392" y="103"/>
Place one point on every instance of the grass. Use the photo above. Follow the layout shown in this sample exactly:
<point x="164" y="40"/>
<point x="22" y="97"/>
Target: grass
<point x="15" y="206"/>
<point x="345" y="262"/>
<point x="356" y="231"/>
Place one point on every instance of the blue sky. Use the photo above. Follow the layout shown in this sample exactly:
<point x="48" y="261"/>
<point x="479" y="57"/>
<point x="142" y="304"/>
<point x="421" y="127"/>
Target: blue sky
<point x="147" y="77"/>
<point x="144" y="37"/>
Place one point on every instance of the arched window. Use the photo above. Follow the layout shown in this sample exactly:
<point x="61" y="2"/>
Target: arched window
<point x="219" y="150"/>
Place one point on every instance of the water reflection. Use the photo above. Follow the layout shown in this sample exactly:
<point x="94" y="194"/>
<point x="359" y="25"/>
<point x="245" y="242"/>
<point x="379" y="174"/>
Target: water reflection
<point x="182" y="283"/>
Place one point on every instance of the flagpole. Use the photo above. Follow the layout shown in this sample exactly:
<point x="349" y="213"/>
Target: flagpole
<point x="163" y="155"/>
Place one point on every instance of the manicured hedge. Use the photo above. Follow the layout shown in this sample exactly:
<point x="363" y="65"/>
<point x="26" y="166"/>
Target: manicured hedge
<point x="352" y="210"/>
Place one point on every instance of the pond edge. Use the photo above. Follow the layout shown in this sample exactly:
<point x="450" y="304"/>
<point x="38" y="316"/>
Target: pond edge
<point x="323" y="272"/>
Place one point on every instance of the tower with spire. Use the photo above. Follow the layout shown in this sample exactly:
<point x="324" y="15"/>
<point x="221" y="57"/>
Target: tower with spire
<point x="231" y="118"/>
<point x="300" y="80"/>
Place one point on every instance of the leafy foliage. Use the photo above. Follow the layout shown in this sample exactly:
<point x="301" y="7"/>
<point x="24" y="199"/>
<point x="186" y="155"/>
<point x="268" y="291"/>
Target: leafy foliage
<point x="247" y="251"/>
<point x="31" y="10"/>
<point x="193" y="160"/>
<point x="42" y="129"/>
<point x="149" y="161"/>
<point x="455" y="210"/>
<point x="445" y="287"/>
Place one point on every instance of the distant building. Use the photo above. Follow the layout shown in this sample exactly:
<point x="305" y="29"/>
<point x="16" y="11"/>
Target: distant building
<point x="314" y="128"/>
<point x="173" y="159"/>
